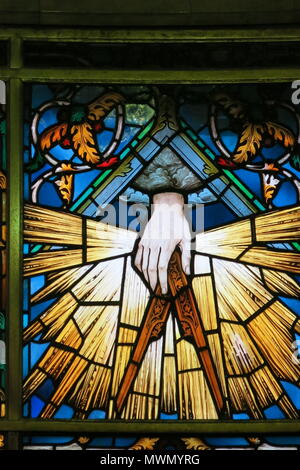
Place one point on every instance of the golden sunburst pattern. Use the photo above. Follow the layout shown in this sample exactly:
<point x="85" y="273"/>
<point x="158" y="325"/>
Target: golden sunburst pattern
<point x="93" y="327"/>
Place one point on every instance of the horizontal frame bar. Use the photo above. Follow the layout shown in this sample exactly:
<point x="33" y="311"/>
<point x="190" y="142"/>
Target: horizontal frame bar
<point x="153" y="427"/>
<point x="209" y="76"/>
<point x="205" y="34"/>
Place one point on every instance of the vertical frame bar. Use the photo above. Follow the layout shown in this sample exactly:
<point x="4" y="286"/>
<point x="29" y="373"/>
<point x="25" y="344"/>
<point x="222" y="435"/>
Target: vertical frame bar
<point x="15" y="190"/>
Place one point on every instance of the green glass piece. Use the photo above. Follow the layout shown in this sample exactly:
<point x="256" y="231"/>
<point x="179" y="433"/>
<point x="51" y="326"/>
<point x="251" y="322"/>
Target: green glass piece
<point x="259" y="205"/>
<point x="239" y="184"/>
<point x="138" y="113"/>
<point x="2" y="321"/>
<point x="78" y="114"/>
<point x="81" y="199"/>
<point x="145" y="131"/>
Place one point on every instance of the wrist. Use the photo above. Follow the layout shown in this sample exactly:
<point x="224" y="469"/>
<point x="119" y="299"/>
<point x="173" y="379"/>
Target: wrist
<point x="172" y="201"/>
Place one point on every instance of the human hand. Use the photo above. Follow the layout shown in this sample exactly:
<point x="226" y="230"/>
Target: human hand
<point x="166" y="229"/>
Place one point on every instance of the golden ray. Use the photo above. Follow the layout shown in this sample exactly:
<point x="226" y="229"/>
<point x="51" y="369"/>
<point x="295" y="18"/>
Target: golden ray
<point x="275" y="259"/>
<point x="110" y="240"/>
<point x="169" y="381"/>
<point x="60" y="282"/>
<point x="186" y="356"/>
<point x="33" y="381"/>
<point x="44" y="262"/>
<point x="134" y="300"/>
<point x="141" y="407"/>
<point x="121" y="361"/>
<point x="241" y="354"/>
<point x="216" y="352"/>
<point x="242" y="397"/>
<point x="127" y="335"/>
<point x="54" y="362"/>
<point x="102" y="283"/>
<point x="43" y="225"/>
<point x="204" y="294"/>
<point x="148" y="378"/>
<point x="281" y="283"/>
<point x="195" y="397"/>
<point x="67" y="382"/>
<point x="168" y="399"/>
<point x="98" y="327"/>
<point x="278" y="226"/>
<point x="240" y="290"/>
<point x="229" y="241"/>
<point x="271" y="330"/>
<point x="91" y="391"/>
<point x="52" y="320"/>
<point x="91" y="351"/>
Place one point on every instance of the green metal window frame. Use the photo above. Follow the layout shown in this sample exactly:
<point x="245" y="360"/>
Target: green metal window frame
<point x="15" y="76"/>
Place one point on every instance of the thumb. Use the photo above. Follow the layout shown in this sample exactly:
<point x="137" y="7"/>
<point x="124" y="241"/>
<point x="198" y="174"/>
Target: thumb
<point x="185" y="246"/>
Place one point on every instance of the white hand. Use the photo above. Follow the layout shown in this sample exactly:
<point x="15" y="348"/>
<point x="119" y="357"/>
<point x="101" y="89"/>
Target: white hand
<point x="167" y="229"/>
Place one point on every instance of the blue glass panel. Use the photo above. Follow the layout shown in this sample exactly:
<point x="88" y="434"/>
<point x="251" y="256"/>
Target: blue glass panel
<point x="227" y="441"/>
<point x="149" y="150"/>
<point x="293" y="304"/>
<point x="124" y="441"/>
<point x="127" y="137"/>
<point x="36" y="406"/>
<point x="40" y="94"/>
<point x="48" y="196"/>
<point x="97" y="414"/>
<point x="283" y="440"/>
<point x="293" y="392"/>
<point x="274" y="152"/>
<point x="188" y="154"/>
<point x="82" y="180"/>
<point x="49" y="117"/>
<point x="289" y="167"/>
<point x="62" y="154"/>
<point x="39" y="308"/>
<point x="46" y="389"/>
<point x="234" y="202"/>
<point x="194" y="115"/>
<point x="64" y="412"/>
<point x="240" y="416"/>
<point x="274" y="413"/>
<point x="36" y="351"/>
<point x="286" y="196"/>
<point x="104" y="139"/>
<point x="230" y="139"/>
<point x="51" y="439"/>
<point x="45" y="168"/>
<point x="110" y="120"/>
<point x="205" y="136"/>
<point x="25" y="360"/>
<point x="26" y="294"/>
<point x="25" y="320"/>
<point x="36" y="283"/>
<point x="167" y="416"/>
<point x="216" y="214"/>
<point x="101" y="442"/>
<point x="251" y="180"/>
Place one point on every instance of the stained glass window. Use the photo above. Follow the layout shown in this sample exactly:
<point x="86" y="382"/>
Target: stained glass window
<point x="3" y="183"/>
<point x="106" y="336"/>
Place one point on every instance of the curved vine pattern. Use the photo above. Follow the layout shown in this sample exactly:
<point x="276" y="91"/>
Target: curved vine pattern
<point x="253" y="136"/>
<point x="77" y="133"/>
